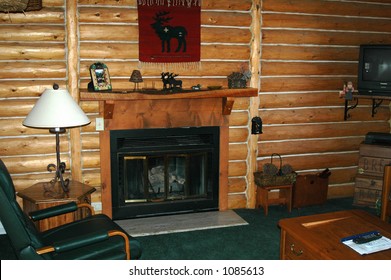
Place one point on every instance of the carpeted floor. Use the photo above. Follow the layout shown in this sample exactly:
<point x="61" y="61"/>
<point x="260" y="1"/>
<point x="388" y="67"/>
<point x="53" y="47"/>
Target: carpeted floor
<point x="258" y="240"/>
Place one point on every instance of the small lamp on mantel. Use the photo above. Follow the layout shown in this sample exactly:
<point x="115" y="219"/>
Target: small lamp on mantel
<point x="136" y="78"/>
<point x="56" y="110"/>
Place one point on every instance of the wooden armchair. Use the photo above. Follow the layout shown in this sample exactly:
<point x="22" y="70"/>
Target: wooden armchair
<point x="95" y="237"/>
<point x="385" y="212"/>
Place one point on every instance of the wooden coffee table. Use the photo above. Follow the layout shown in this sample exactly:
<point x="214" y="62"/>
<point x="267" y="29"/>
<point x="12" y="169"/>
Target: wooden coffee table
<point x="319" y="236"/>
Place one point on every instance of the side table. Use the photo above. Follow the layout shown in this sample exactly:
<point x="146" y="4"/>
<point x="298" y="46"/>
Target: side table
<point x="285" y="196"/>
<point x="43" y="195"/>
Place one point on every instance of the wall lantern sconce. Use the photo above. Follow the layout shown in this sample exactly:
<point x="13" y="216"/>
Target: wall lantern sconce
<point x="256" y="125"/>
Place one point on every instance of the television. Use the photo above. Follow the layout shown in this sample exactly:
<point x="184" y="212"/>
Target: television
<point x="374" y="70"/>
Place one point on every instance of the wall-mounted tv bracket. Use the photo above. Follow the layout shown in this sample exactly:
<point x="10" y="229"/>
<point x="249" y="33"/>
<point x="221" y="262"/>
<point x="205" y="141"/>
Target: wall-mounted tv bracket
<point x="376" y="102"/>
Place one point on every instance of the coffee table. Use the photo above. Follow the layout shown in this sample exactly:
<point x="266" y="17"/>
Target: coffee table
<point x="319" y="236"/>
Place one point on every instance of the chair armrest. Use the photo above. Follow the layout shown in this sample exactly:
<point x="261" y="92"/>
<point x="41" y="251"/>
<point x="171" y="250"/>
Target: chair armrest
<point x="59" y="210"/>
<point x="84" y="240"/>
<point x="53" y="211"/>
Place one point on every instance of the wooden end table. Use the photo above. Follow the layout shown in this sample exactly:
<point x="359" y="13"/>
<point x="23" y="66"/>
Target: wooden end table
<point x="43" y="195"/>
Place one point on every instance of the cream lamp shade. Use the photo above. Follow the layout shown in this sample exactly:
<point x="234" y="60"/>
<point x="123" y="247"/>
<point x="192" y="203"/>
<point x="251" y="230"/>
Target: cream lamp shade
<point x="56" y="109"/>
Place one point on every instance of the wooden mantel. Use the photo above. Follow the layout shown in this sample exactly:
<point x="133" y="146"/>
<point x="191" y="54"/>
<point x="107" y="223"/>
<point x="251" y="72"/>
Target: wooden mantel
<point x="228" y="96"/>
<point x="136" y="110"/>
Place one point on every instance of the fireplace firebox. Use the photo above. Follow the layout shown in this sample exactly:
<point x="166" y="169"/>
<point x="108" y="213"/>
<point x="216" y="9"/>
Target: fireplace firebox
<point x="164" y="171"/>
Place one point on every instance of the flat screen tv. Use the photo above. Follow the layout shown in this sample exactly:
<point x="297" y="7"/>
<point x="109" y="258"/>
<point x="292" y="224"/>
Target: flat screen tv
<point x="374" y="70"/>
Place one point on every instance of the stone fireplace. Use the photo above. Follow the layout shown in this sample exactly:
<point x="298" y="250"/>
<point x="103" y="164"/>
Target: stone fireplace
<point x="137" y="111"/>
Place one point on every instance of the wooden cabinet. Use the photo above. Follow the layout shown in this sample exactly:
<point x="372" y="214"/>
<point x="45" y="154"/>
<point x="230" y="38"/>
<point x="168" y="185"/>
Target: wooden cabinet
<point x="43" y="195"/>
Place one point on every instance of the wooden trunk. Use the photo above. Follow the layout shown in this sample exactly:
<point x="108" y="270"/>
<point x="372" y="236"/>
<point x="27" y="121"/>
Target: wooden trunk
<point x="309" y="190"/>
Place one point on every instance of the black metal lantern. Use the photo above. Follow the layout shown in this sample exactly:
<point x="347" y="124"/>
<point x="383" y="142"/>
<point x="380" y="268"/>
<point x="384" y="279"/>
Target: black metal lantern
<point x="256" y="126"/>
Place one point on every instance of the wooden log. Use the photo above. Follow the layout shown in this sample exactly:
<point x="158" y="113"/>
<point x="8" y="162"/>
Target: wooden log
<point x="32" y="145"/>
<point x="308" y="68"/>
<point x="46" y="14"/>
<point x="302" y="146"/>
<point x="281" y="36"/>
<point x="238" y="151"/>
<point x="317" y="161"/>
<point x="236" y="134"/>
<point x="281" y="20"/>
<point x="237" y="201"/>
<point x="29" y="51"/>
<point x="295" y="83"/>
<point x="319" y="114"/>
<point x="316" y="130"/>
<point x="29" y="164"/>
<point x="307" y="99"/>
<point x="237" y="168"/>
<point x="26" y="88"/>
<point x="312" y="53"/>
<point x="332" y="8"/>
<point x="33" y="70"/>
<point x="32" y="33"/>
<point x="237" y="185"/>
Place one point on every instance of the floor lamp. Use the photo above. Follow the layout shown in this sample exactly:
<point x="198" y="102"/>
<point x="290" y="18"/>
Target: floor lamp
<point x="56" y="110"/>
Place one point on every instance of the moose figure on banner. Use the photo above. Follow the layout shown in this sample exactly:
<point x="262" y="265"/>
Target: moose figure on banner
<point x="167" y="32"/>
<point x="169" y="81"/>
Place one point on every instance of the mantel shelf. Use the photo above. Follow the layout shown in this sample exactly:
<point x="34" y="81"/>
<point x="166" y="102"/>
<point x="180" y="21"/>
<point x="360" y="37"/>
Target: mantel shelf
<point x="227" y="95"/>
<point x="377" y="100"/>
<point x="129" y="95"/>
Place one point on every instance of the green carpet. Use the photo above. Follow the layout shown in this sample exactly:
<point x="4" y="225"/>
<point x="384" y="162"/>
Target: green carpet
<point x="259" y="240"/>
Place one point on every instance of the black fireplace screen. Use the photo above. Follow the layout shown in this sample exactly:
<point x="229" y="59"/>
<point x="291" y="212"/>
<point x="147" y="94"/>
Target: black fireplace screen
<point x="163" y="171"/>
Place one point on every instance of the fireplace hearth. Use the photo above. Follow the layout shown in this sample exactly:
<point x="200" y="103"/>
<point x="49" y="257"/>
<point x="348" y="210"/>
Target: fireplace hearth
<point x="162" y="171"/>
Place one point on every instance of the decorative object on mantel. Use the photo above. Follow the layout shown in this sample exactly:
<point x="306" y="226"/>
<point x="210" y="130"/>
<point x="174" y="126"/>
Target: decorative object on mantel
<point x="136" y="78"/>
<point x="56" y="110"/>
<point x="20" y="6"/>
<point x="169" y="82"/>
<point x="100" y="78"/>
<point x="239" y="79"/>
<point x="169" y="34"/>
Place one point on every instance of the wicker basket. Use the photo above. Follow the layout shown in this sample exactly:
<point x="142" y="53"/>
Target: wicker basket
<point x="264" y="180"/>
<point x="20" y="6"/>
<point x="277" y="178"/>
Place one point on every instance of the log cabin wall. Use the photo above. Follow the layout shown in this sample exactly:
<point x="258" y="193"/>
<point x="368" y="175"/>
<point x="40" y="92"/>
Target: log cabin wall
<point x="309" y="50"/>
<point x="300" y="54"/>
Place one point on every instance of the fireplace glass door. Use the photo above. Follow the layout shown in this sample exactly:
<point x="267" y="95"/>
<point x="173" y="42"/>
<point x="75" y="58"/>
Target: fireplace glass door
<point x="162" y="178"/>
<point x="164" y="171"/>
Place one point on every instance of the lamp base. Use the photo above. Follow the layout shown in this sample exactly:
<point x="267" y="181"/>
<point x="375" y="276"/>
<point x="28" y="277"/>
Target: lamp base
<point x="60" y="167"/>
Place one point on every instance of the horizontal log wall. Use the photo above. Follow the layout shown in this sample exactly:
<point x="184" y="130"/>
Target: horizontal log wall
<point x="309" y="50"/>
